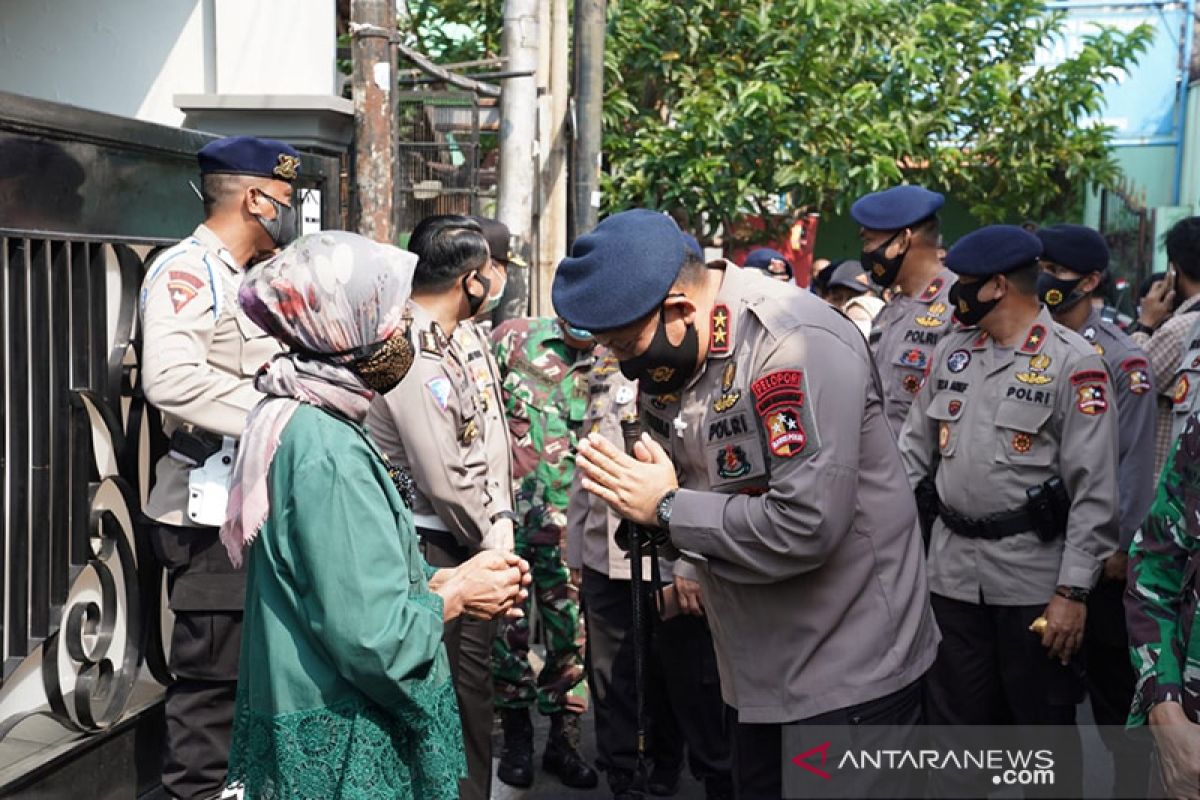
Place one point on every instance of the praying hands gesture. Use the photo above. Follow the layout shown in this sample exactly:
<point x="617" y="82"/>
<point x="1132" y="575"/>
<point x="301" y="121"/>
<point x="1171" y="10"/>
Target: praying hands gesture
<point x="632" y="487"/>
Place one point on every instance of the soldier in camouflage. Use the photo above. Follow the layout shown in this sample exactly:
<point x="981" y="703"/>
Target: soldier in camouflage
<point x="1160" y="608"/>
<point x="543" y="372"/>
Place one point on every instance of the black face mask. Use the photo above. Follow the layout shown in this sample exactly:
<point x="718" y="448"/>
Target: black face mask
<point x="475" y="303"/>
<point x="968" y="308"/>
<point x="1059" y="295"/>
<point x="664" y="368"/>
<point x="883" y="270"/>
<point x="285" y="227"/>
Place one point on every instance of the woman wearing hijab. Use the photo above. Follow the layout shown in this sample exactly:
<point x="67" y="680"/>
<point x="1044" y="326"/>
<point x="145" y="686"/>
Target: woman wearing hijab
<point x="344" y="688"/>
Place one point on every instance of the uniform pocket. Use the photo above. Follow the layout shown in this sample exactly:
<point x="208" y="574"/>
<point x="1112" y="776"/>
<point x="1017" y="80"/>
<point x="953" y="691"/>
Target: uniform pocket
<point x="257" y="346"/>
<point x="947" y="409"/>
<point x="1022" y="435"/>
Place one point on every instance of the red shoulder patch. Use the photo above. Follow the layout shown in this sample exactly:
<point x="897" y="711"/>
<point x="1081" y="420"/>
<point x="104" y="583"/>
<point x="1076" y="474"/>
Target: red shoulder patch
<point x="183" y="288"/>
<point x="1090" y="400"/>
<point x="931" y="291"/>
<point x="779" y="388"/>
<point x="1089" y="376"/>
<point x="1134" y="363"/>
<point x="1035" y="340"/>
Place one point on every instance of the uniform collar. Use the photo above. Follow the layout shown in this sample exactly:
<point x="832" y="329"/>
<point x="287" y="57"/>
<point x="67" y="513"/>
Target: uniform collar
<point x="210" y="240"/>
<point x="431" y="338"/>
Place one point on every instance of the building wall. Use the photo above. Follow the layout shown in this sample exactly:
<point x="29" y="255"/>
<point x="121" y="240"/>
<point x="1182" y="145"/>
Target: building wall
<point x="131" y="57"/>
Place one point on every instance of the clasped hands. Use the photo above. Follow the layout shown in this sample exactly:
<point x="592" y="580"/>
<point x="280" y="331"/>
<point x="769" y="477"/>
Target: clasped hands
<point x="631" y="486"/>
<point x="491" y="583"/>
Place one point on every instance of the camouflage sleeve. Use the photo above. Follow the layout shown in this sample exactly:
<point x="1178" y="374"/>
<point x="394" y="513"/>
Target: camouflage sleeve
<point x="1154" y="598"/>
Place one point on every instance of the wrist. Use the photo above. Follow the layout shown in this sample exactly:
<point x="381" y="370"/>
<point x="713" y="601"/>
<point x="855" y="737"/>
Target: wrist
<point x="451" y="592"/>
<point x="1073" y="593"/>
<point x="1141" y="325"/>
<point x="1167" y="713"/>
<point x="663" y="509"/>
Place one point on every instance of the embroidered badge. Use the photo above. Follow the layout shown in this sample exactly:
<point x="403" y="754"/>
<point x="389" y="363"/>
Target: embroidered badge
<point x="911" y="384"/>
<point x="943" y="435"/>
<point x="1022" y="442"/>
<point x="470" y="432"/>
<point x="439" y="387"/>
<point x="663" y="401"/>
<point x="917" y="359"/>
<point x="729" y="397"/>
<point x="732" y="462"/>
<point x="958" y="360"/>
<point x="662" y="374"/>
<point x="928" y="320"/>
<point x="1181" y="390"/>
<point x="624" y="395"/>
<point x="183" y="287"/>
<point x="954" y="406"/>
<point x="1033" y="342"/>
<point x="786" y="436"/>
<point x="1090" y="400"/>
<point x="1053" y="298"/>
<point x="287" y="167"/>
<point x="1089" y="376"/>
<point x="931" y="292"/>
<point x="1139" y="381"/>
<point x="720" y="329"/>
<point x="1037" y="365"/>
<point x="781" y="387"/>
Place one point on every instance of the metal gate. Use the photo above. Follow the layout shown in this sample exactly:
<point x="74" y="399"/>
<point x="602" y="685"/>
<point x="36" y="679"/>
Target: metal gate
<point x="1126" y="224"/>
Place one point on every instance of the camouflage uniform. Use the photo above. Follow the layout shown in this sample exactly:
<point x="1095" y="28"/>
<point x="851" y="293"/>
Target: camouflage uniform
<point x="544" y="386"/>
<point x="1164" y="593"/>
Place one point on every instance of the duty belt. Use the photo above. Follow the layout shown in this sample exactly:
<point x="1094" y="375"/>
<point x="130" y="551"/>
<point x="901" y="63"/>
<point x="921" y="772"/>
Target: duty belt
<point x="993" y="526"/>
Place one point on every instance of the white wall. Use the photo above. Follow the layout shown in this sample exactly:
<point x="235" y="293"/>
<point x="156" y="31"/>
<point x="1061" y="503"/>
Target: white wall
<point x="131" y="57"/>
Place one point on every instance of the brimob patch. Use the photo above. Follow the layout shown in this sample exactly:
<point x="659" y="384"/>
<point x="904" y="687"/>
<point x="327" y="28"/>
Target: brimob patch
<point x="958" y="360"/>
<point x="1090" y="400"/>
<point x="785" y="435"/>
<point x="1139" y="381"/>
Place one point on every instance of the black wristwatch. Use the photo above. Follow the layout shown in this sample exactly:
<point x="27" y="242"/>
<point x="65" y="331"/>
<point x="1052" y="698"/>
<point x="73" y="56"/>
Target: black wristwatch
<point x="1072" y="593"/>
<point x="1138" y="327"/>
<point x="663" y="512"/>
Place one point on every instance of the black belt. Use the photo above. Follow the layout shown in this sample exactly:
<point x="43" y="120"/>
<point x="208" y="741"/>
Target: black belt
<point x="993" y="526"/>
<point x="445" y="540"/>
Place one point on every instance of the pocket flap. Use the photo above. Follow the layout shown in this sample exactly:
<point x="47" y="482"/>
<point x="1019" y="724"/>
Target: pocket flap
<point x="946" y="407"/>
<point x="1022" y="416"/>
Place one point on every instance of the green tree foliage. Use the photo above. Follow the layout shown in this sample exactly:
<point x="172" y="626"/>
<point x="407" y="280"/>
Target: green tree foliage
<point x="453" y="31"/>
<point x="717" y="105"/>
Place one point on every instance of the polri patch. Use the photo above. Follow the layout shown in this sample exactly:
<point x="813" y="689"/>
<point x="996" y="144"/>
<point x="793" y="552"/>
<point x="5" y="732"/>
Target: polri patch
<point x="1139" y="381"/>
<point x="1090" y="400"/>
<point x="780" y="401"/>
<point x="785" y="434"/>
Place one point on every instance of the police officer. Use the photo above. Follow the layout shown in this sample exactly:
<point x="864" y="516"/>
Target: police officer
<point x="900" y="236"/>
<point x="199" y="357"/>
<point x="770" y="262"/>
<point x="684" y="709"/>
<point x="431" y="425"/>
<point x="1074" y="263"/>
<point x="1017" y="408"/>
<point x="769" y="464"/>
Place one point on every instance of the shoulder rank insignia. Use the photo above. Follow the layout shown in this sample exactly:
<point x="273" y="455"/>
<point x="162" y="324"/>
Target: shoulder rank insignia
<point x="429" y="343"/>
<point x="719" y="344"/>
<point x="1035" y="340"/>
<point x="931" y="292"/>
<point x="729" y="397"/>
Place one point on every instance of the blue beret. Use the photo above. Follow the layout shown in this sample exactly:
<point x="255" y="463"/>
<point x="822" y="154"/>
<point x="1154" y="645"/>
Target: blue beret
<point x="1077" y="247"/>
<point x="895" y="208"/>
<point x="993" y="250"/>
<point x="619" y="272"/>
<point x="693" y="244"/>
<point x="762" y="258"/>
<point x="249" y="155"/>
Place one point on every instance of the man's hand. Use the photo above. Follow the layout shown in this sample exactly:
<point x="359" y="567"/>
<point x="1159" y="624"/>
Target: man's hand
<point x="1115" y="566"/>
<point x="1064" y="627"/>
<point x="1178" y="742"/>
<point x="632" y="487"/>
<point x="687" y="593"/>
<point x="489" y="584"/>
<point x="1159" y="302"/>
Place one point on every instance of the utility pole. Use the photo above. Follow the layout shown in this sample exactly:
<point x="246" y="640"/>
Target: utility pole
<point x="555" y="85"/>
<point x="518" y="131"/>
<point x="376" y="145"/>
<point x="589" y="103"/>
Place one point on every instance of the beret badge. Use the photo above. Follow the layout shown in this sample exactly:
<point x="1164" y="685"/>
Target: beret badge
<point x="287" y="167"/>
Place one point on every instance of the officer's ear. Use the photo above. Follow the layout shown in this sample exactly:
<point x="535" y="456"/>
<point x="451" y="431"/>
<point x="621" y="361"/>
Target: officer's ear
<point x="679" y="306"/>
<point x="1091" y="282"/>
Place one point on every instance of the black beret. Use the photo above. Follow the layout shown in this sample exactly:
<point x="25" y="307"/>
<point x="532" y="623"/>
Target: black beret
<point x="249" y="155"/>
<point x="993" y="250"/>
<point x="1077" y="247"/>
<point x="620" y="271"/>
<point x="499" y="241"/>
<point x="896" y="208"/>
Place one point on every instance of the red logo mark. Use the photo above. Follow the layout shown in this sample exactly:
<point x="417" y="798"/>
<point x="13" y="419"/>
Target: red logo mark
<point x="802" y="760"/>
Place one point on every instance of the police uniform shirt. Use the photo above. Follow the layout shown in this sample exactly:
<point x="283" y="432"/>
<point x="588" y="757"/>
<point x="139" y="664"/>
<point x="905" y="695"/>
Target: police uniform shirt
<point x="1137" y="410"/>
<point x="591" y="524"/>
<point x="794" y="506"/>
<point x="475" y="352"/>
<point x="429" y="424"/>
<point x="903" y="338"/>
<point x="200" y="353"/>
<point x="1004" y="420"/>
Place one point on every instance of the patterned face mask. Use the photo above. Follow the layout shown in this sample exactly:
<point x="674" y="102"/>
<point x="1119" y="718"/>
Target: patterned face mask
<point x="383" y="370"/>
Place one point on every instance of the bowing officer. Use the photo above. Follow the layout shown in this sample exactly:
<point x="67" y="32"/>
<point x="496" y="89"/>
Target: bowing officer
<point x="900" y="235"/>
<point x="768" y="463"/>
<point x="1018" y="409"/>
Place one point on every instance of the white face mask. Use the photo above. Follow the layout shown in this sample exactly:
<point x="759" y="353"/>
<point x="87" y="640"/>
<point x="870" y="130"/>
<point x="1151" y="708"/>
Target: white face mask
<point x="493" y="300"/>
